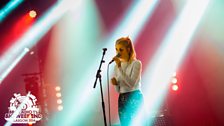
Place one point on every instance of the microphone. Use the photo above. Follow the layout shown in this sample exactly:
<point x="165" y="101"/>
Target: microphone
<point x="118" y="55"/>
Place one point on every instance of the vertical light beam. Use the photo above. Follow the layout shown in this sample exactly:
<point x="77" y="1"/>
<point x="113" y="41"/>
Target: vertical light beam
<point x="169" y="55"/>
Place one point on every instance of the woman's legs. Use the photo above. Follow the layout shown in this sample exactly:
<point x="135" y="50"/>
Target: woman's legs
<point x="129" y="104"/>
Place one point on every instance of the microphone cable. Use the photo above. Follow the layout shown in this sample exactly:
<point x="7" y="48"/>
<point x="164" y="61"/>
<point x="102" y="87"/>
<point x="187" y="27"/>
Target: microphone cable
<point x="108" y="91"/>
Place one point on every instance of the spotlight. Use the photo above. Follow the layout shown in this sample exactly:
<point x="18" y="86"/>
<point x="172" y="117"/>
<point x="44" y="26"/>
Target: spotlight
<point x="60" y="107"/>
<point x="33" y="13"/>
<point x="26" y="49"/>
<point x="58" y="98"/>
<point x="57" y="88"/>
<point x="174" y="87"/>
<point x="32" y="52"/>
<point x="174" y="80"/>
<point x="59" y="101"/>
<point x="58" y="94"/>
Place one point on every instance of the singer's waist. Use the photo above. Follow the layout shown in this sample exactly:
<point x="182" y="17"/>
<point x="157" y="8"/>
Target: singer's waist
<point x="124" y="89"/>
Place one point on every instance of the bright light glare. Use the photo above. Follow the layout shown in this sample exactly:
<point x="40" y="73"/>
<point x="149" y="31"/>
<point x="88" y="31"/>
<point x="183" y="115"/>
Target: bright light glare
<point x="33" y="13"/>
<point x="140" y="10"/>
<point x="135" y="19"/>
<point x="168" y="57"/>
<point x="174" y="80"/>
<point x="26" y="49"/>
<point x="174" y="87"/>
<point x="60" y="108"/>
<point x="58" y="94"/>
<point x="57" y="88"/>
<point x="32" y="52"/>
<point x="59" y="101"/>
<point x="132" y="23"/>
<point x="9" y="60"/>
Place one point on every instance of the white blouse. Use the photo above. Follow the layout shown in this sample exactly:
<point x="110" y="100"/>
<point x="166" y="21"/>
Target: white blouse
<point x="128" y="76"/>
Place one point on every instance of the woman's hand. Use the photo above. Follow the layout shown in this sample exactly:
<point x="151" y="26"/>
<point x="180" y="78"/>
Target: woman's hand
<point x="117" y="61"/>
<point x="114" y="81"/>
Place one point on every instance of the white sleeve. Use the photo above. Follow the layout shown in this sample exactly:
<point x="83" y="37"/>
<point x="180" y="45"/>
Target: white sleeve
<point x="131" y="79"/>
<point x="117" y="87"/>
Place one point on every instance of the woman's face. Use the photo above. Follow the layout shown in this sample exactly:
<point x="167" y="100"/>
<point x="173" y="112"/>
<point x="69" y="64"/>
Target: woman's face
<point x="123" y="51"/>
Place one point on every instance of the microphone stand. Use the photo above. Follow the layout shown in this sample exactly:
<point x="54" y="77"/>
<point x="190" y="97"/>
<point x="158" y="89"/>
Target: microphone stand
<point x="98" y="75"/>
